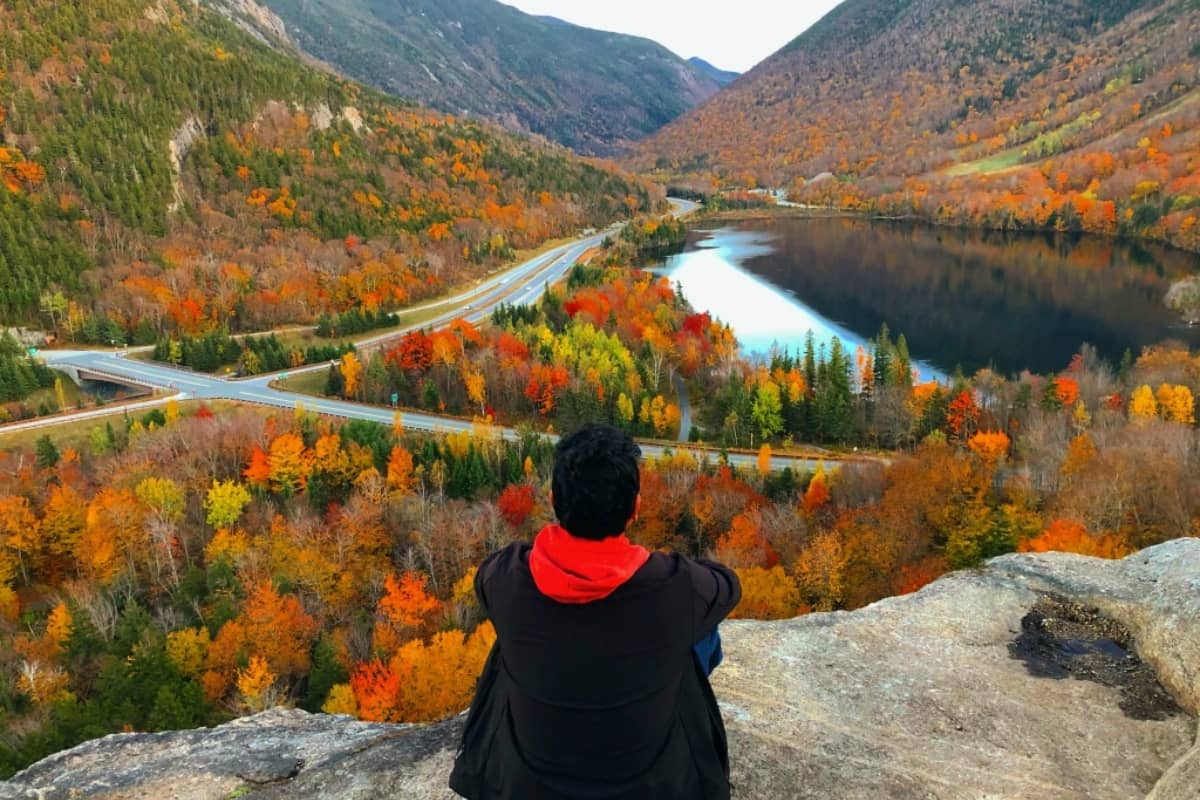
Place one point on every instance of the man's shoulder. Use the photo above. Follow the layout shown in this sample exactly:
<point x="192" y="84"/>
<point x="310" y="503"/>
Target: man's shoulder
<point x="662" y="566"/>
<point x="506" y="560"/>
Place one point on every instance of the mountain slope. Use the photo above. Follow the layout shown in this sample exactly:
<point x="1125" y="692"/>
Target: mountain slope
<point x="720" y="76"/>
<point x="588" y="89"/>
<point x="167" y="170"/>
<point x="925" y="104"/>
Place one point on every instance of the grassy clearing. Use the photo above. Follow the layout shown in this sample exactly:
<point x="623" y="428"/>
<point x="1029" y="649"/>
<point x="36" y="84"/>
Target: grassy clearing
<point x="408" y="319"/>
<point x="312" y="383"/>
<point x="71" y="392"/>
<point x="999" y="162"/>
<point x="74" y="396"/>
<point x="77" y="435"/>
<point x="73" y="435"/>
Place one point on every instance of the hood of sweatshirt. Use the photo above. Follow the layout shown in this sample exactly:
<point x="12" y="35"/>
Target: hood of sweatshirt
<point x="569" y="569"/>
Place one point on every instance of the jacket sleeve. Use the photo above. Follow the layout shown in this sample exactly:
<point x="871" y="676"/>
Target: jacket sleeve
<point x="482" y="576"/>
<point x="717" y="592"/>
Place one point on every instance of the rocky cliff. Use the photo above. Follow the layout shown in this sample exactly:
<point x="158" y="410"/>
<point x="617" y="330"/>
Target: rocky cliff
<point x="1040" y="676"/>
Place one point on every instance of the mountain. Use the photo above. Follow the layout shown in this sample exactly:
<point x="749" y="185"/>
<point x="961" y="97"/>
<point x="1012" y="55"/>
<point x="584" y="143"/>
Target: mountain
<point x="719" y="76"/>
<point x="587" y="89"/>
<point x="172" y="165"/>
<point x="1074" y="114"/>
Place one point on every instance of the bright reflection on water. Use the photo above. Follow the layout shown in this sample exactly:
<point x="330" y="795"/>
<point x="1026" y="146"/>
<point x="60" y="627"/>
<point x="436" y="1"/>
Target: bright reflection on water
<point x="761" y="314"/>
<point x="960" y="297"/>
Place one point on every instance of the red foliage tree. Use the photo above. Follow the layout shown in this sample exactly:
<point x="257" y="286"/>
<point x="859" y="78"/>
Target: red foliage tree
<point x="414" y="353"/>
<point x="516" y="503"/>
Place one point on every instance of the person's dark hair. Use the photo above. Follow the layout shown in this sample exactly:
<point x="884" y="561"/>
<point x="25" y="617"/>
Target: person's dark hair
<point x="595" y="481"/>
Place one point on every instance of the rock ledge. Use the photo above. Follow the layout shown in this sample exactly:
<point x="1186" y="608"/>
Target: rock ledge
<point x="1006" y="682"/>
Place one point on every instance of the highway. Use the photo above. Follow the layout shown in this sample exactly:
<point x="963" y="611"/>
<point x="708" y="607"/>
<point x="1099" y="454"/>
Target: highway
<point x="521" y="285"/>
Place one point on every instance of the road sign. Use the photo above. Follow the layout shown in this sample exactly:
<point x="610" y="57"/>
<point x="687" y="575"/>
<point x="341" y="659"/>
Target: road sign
<point x="395" y="399"/>
<point x="33" y="351"/>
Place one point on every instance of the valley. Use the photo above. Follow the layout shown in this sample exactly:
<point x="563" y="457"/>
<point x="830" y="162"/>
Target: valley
<point x="298" y="296"/>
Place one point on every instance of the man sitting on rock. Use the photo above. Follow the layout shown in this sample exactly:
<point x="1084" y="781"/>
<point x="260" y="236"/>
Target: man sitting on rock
<point x="597" y="686"/>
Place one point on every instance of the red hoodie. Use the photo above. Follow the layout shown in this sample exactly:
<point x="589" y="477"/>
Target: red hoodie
<point x="569" y="569"/>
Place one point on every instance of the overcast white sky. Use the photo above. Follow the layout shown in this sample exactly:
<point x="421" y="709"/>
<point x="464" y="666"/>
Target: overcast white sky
<point x="732" y="35"/>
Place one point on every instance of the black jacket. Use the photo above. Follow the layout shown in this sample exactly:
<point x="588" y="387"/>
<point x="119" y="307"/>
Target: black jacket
<point x="597" y="701"/>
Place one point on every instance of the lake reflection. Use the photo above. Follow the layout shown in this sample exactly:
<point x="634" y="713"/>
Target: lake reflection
<point x="961" y="297"/>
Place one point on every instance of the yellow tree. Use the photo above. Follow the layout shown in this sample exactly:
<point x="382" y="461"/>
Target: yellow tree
<point x="438" y="678"/>
<point x="332" y="461"/>
<point x="225" y="502"/>
<point x="162" y="497"/>
<point x="256" y="684"/>
<point x="58" y="627"/>
<point x="660" y="417"/>
<point x="341" y="701"/>
<point x="20" y="538"/>
<point x="767" y="594"/>
<point x="821" y="571"/>
<point x="352" y="370"/>
<point x="1142" y="405"/>
<point x="991" y="448"/>
<point x="764" y="460"/>
<point x="289" y="463"/>
<point x="1176" y="404"/>
<point x="187" y="648"/>
<point x="476" y="387"/>
<point x="1080" y="452"/>
<point x="625" y="410"/>
<point x="113" y="533"/>
<point x="60" y="394"/>
<point x="43" y="684"/>
<point x="400" y="471"/>
<point x="63" y="519"/>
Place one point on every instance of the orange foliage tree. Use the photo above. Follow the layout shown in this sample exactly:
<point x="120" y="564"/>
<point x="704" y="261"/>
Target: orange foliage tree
<point x="1069" y="536"/>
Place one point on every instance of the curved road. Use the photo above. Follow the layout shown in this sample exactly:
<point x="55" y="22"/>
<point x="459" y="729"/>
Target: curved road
<point x="521" y="285"/>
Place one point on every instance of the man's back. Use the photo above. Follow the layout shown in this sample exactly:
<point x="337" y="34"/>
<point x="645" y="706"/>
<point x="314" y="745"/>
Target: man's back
<point x="592" y="690"/>
<point x="604" y="698"/>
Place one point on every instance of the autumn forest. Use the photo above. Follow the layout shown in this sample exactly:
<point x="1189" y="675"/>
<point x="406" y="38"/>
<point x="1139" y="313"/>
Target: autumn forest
<point x="197" y="198"/>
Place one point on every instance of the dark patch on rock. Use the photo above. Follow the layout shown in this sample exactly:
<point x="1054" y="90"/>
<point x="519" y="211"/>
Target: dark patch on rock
<point x="1063" y="639"/>
<point x="273" y="769"/>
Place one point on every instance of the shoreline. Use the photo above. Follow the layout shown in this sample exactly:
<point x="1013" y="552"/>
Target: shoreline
<point x="816" y="212"/>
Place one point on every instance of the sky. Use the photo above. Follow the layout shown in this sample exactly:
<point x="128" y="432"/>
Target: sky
<point x="731" y="35"/>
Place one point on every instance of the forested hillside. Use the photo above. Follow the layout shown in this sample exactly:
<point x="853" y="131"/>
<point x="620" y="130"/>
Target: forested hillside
<point x="1071" y="114"/>
<point x="591" y="90"/>
<point x="169" y="171"/>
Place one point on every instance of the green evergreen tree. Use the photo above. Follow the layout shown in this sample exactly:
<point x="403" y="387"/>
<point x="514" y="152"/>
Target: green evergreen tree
<point x="47" y="453"/>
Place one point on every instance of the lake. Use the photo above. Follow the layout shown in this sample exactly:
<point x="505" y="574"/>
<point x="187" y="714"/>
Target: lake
<point x="962" y="298"/>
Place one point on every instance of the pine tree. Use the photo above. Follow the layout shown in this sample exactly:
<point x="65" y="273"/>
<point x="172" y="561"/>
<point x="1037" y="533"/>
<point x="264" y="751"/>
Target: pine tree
<point x="835" y="403"/>
<point x="47" y="453"/>
<point x="884" y="374"/>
